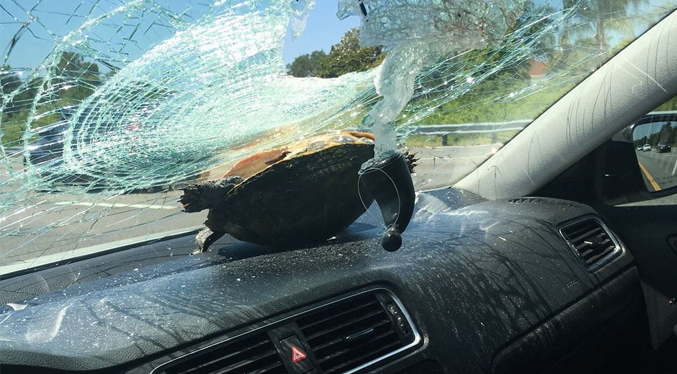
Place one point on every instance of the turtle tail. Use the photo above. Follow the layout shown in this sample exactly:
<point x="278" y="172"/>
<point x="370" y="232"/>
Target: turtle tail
<point x="201" y="196"/>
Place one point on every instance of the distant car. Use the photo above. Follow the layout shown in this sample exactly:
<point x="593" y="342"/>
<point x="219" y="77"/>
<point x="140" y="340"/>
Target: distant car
<point x="46" y="153"/>
<point x="646" y="148"/>
<point x="639" y="148"/>
<point x="48" y="146"/>
<point x="663" y="147"/>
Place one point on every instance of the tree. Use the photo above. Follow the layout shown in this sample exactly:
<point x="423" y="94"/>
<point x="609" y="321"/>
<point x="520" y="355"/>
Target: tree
<point x="672" y="133"/>
<point x="22" y="100"/>
<point x="9" y="82"/>
<point x="14" y="114"/>
<point x="668" y="105"/>
<point x="306" y="65"/>
<point x="347" y="56"/>
<point x="535" y="29"/>
<point x="75" y="78"/>
<point x="665" y="132"/>
<point x="597" y="20"/>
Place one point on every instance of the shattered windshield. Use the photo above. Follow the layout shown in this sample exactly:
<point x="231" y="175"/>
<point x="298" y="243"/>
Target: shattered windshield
<point x="111" y="107"/>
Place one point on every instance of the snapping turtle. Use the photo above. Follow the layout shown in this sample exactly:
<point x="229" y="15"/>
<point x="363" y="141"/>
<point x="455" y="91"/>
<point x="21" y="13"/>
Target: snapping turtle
<point x="304" y="192"/>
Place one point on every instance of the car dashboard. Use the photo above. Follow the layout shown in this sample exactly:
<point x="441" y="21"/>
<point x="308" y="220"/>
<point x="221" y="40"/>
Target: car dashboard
<point x="521" y="285"/>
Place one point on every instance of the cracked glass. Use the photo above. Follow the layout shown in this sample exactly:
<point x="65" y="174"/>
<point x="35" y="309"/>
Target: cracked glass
<point x="110" y="107"/>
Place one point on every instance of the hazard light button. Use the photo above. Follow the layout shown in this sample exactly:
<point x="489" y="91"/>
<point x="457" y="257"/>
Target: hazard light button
<point x="296" y="355"/>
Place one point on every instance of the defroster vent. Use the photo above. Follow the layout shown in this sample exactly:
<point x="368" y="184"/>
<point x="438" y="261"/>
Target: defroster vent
<point x="357" y="332"/>
<point x="593" y="242"/>
<point x="254" y="354"/>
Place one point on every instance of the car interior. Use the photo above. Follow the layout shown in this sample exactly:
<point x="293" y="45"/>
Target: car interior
<point x="554" y="256"/>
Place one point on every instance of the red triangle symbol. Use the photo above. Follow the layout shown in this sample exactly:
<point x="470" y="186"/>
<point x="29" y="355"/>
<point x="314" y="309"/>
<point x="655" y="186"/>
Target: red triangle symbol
<point x="297" y="354"/>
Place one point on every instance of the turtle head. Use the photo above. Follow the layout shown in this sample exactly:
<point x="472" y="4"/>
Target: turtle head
<point x="201" y="196"/>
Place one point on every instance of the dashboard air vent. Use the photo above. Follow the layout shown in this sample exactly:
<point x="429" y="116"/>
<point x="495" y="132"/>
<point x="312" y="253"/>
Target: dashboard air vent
<point x="541" y="201"/>
<point x="592" y="242"/>
<point x="357" y="332"/>
<point x="254" y="354"/>
<point x="526" y="200"/>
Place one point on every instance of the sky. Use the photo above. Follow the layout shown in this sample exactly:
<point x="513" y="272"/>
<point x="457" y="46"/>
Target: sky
<point x="323" y="28"/>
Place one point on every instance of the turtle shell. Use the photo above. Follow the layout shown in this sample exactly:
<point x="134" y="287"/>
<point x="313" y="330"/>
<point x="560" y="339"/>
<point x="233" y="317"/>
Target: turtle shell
<point x="305" y="192"/>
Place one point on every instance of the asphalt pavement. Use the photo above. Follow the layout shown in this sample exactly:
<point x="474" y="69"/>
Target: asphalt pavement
<point x="659" y="169"/>
<point x="50" y="227"/>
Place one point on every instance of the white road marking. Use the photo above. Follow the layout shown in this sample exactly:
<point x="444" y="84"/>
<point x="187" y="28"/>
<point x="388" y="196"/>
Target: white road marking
<point x="118" y="205"/>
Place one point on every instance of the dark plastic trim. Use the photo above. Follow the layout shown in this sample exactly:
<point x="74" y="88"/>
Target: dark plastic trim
<point x="293" y="317"/>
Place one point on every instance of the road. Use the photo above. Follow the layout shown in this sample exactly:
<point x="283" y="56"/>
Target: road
<point x="659" y="169"/>
<point x="48" y="227"/>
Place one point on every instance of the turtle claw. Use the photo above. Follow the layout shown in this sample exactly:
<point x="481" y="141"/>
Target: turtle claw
<point x="205" y="239"/>
<point x="411" y="160"/>
<point x="190" y="202"/>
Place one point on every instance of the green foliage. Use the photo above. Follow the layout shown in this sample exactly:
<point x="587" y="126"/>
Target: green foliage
<point x="74" y="79"/>
<point x="13" y="127"/>
<point x="306" y="65"/>
<point x="502" y="98"/>
<point x="595" y="22"/>
<point x="9" y="81"/>
<point x="668" y="105"/>
<point x="347" y="56"/>
<point x="15" y="105"/>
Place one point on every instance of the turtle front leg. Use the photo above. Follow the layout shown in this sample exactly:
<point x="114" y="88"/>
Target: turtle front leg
<point x="410" y="159"/>
<point x="206" y="238"/>
<point x="205" y="195"/>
